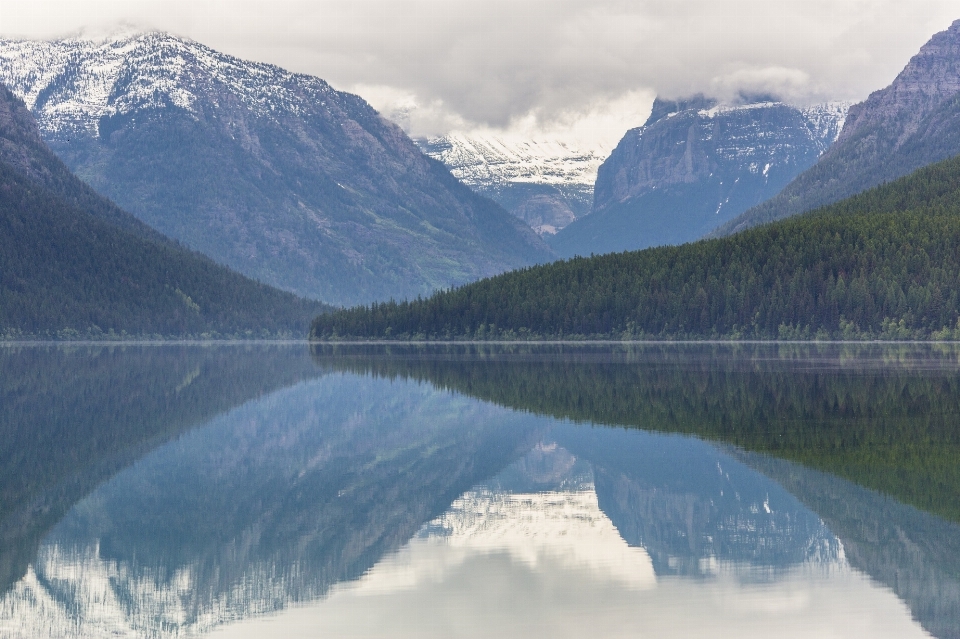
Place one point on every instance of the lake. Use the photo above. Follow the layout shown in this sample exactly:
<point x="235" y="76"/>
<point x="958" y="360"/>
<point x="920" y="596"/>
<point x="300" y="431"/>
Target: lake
<point x="478" y="490"/>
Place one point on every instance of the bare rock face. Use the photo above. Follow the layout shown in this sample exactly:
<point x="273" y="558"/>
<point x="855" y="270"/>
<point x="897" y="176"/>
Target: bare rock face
<point x="694" y="165"/>
<point x="911" y="123"/>
<point x="272" y="173"/>
<point x="546" y="213"/>
<point x="931" y="75"/>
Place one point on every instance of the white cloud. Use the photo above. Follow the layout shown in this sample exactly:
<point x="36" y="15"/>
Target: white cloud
<point x="496" y="63"/>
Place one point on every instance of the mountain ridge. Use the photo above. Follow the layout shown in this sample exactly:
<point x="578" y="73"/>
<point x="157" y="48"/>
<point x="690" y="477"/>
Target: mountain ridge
<point x="913" y="122"/>
<point x="693" y="165"/>
<point x="73" y="264"/>
<point x="272" y="173"/>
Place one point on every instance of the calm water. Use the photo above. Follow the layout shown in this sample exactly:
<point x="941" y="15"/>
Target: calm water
<point x="644" y="490"/>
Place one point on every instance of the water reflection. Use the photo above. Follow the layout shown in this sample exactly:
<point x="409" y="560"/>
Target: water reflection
<point x="72" y="416"/>
<point x="505" y="561"/>
<point x="359" y="504"/>
<point x="883" y="416"/>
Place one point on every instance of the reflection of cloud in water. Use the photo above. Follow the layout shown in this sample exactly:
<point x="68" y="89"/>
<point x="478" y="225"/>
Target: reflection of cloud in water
<point x="552" y="564"/>
<point x="564" y="531"/>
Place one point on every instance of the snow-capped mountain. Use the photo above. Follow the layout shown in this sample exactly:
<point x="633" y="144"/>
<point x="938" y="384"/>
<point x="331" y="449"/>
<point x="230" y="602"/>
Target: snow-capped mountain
<point x="71" y="85"/>
<point x="694" y="165"/>
<point x="544" y="181"/>
<point x="273" y="173"/>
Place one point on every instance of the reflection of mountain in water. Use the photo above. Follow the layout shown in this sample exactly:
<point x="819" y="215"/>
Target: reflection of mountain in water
<point x="881" y="416"/>
<point x="689" y="505"/>
<point x="692" y="506"/>
<point x="531" y="552"/>
<point x="270" y="504"/>
<point x="560" y="524"/>
<point x="281" y="499"/>
<point x="916" y="554"/>
<point x="73" y="415"/>
<point x="278" y="500"/>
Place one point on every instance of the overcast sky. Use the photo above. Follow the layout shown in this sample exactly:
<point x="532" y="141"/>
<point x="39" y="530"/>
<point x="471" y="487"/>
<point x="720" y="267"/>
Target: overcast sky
<point x="547" y="65"/>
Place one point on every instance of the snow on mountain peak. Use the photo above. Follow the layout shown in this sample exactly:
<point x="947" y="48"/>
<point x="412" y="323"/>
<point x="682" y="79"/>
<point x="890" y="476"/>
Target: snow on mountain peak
<point x="483" y="158"/>
<point x="70" y="84"/>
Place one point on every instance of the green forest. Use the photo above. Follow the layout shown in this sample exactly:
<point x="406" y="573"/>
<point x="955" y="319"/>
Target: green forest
<point x="884" y="264"/>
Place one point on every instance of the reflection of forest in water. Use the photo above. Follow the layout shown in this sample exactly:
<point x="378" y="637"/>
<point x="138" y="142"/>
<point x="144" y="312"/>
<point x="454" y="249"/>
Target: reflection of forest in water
<point x="882" y="416"/>
<point x="344" y="470"/>
<point x="853" y="419"/>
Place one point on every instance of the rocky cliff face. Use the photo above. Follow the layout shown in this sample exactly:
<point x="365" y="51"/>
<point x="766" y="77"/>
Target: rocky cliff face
<point x="275" y="174"/>
<point x="545" y="183"/>
<point x="930" y="76"/>
<point x="911" y="123"/>
<point x="694" y="165"/>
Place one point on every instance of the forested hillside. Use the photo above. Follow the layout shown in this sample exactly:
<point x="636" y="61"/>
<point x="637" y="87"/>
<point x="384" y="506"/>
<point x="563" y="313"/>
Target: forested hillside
<point x="73" y="264"/>
<point x="883" y="264"/>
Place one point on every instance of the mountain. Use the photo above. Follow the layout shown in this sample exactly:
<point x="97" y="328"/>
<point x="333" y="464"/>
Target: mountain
<point x="885" y="263"/>
<point x="272" y="173"/>
<point x="72" y="263"/>
<point x="911" y="123"/>
<point x="544" y="182"/>
<point x="694" y="165"/>
<point x="664" y="495"/>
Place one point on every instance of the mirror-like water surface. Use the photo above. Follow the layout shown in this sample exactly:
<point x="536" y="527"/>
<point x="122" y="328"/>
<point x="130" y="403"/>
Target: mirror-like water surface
<point x="643" y="490"/>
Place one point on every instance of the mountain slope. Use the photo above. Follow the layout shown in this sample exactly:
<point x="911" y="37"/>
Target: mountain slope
<point x="911" y="123"/>
<point x="546" y="183"/>
<point x="272" y="173"/>
<point x="885" y="263"/>
<point x="72" y="261"/>
<point x="694" y="165"/>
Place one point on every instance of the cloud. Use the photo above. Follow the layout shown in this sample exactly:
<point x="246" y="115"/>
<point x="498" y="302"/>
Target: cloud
<point x="494" y="62"/>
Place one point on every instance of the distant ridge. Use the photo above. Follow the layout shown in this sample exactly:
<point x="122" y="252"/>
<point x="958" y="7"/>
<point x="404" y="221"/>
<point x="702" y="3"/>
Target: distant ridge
<point x="275" y="174"/>
<point x="695" y="164"/>
<point x="911" y="123"/>
<point x="73" y="264"/>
